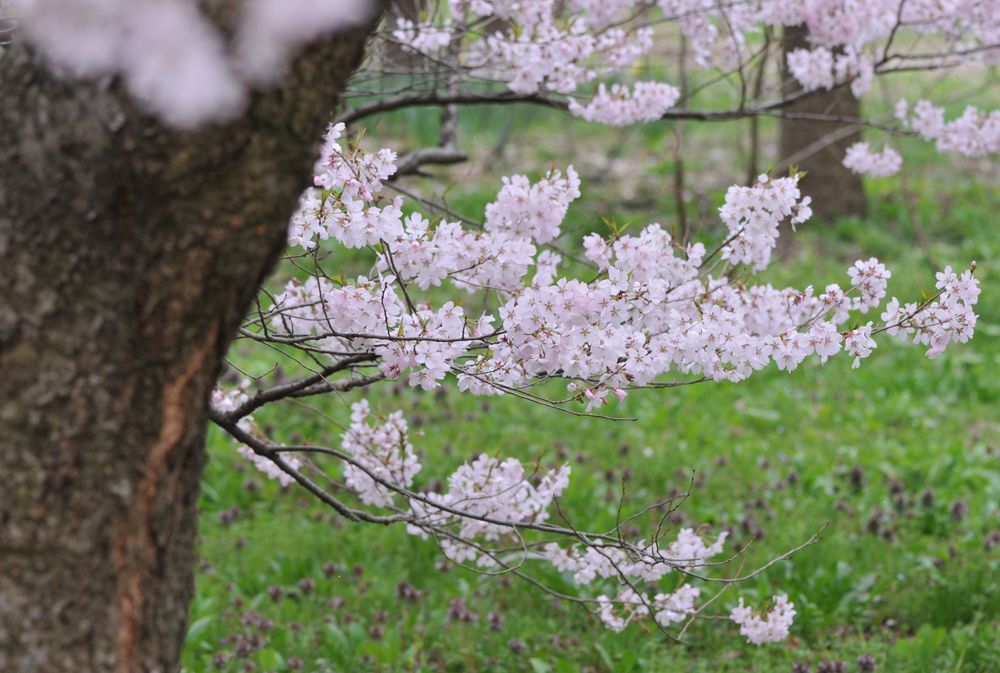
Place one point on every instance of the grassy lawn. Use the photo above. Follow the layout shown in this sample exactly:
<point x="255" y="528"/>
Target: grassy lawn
<point x="900" y="461"/>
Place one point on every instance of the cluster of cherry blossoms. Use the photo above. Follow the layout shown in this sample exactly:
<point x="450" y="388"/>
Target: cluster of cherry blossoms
<point x="630" y="606"/>
<point x="550" y="54"/>
<point x="533" y="46"/>
<point x="673" y="608"/>
<point x="486" y="500"/>
<point x="491" y="503"/>
<point x="555" y="45"/>
<point x="552" y="46"/>
<point x="753" y="214"/>
<point x="229" y="400"/>
<point x="342" y="206"/>
<point x="171" y="56"/>
<point x="547" y="46"/>
<point x="821" y="68"/>
<point x="861" y="159"/>
<point x="343" y="185"/>
<point x="950" y="317"/>
<point x="648" y="307"/>
<point x="540" y="46"/>
<point x="532" y="211"/>
<point x="619" y="106"/>
<point x="653" y="308"/>
<point x="648" y="563"/>
<point x="975" y="133"/>
<point x="381" y="452"/>
<point x="769" y="627"/>
<point x="870" y="278"/>
<point x="423" y="38"/>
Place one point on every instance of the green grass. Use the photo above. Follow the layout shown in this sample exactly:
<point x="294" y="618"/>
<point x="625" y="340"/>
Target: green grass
<point x="897" y="575"/>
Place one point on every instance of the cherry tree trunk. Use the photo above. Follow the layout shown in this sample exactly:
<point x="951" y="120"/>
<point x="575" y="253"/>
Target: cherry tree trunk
<point x="128" y="254"/>
<point x="818" y="147"/>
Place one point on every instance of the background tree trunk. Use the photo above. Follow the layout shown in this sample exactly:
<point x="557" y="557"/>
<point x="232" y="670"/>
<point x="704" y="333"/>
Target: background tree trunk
<point x="818" y="147"/>
<point x="128" y="255"/>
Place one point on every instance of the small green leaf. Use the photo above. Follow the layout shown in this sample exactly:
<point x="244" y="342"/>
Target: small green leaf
<point x="539" y="666"/>
<point x="198" y="628"/>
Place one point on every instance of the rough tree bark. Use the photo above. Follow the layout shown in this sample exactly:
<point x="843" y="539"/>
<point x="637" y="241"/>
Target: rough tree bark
<point x="818" y="147"/>
<point x="128" y="254"/>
